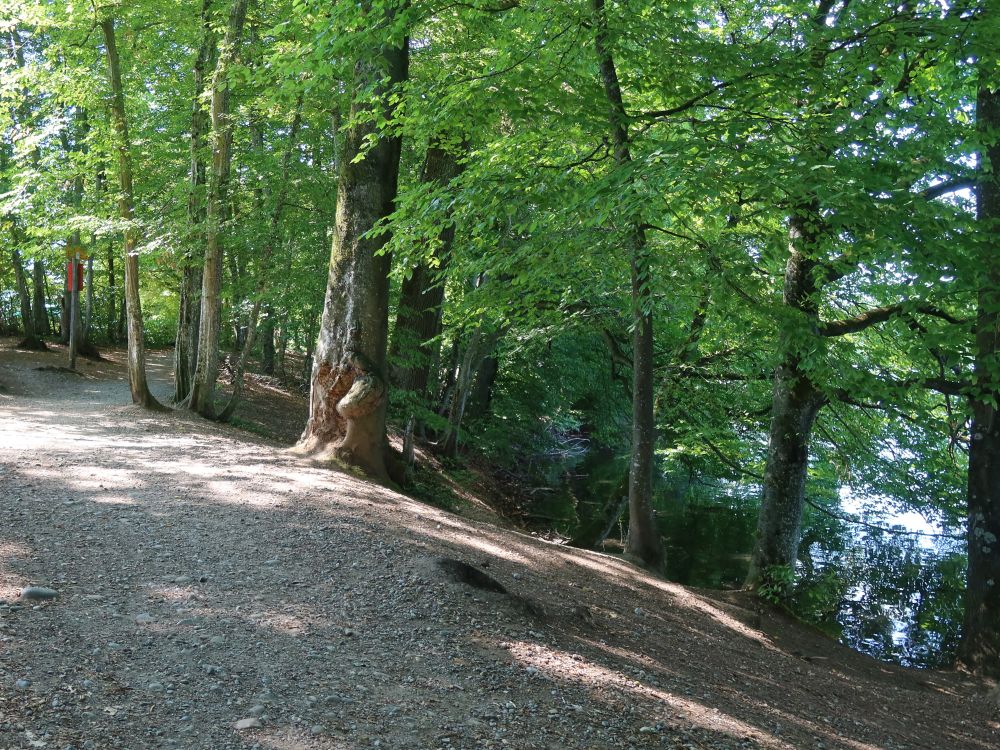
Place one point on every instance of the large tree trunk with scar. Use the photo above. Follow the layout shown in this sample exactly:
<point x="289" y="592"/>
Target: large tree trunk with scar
<point x="794" y="406"/>
<point x="348" y="396"/>
<point x="644" y="545"/>
<point x="136" y="346"/>
<point x="980" y="646"/>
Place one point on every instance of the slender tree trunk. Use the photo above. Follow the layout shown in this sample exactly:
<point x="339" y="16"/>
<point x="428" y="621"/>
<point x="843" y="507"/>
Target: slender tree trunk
<point x="644" y="542"/>
<point x="39" y="310"/>
<point x="980" y="646"/>
<point x="794" y="406"/>
<point x="207" y="370"/>
<point x="31" y="339"/>
<point x="479" y="347"/>
<point x="186" y="342"/>
<point x="595" y="530"/>
<point x="349" y="391"/>
<point x="414" y="345"/>
<point x="450" y="377"/>
<point x="189" y="306"/>
<point x="270" y="242"/>
<point x="136" y="346"/>
<point x="64" y="312"/>
<point x="460" y="395"/>
<point x="482" y="390"/>
<point x="112" y="296"/>
<point x="88" y="314"/>
<point x="21" y="114"/>
<point x="267" y="342"/>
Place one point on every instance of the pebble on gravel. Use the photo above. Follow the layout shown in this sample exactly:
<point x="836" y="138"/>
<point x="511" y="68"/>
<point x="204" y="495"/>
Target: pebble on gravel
<point x="143" y="619"/>
<point x="38" y="592"/>
<point x="251" y="723"/>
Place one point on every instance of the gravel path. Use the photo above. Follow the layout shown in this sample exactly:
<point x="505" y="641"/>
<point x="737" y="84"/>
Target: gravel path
<point x="215" y="592"/>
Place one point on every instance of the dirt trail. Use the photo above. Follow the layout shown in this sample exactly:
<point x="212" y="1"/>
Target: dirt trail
<point x="216" y="593"/>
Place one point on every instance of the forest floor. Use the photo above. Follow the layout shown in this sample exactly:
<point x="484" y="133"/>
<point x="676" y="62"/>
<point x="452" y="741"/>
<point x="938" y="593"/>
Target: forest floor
<point x="216" y="592"/>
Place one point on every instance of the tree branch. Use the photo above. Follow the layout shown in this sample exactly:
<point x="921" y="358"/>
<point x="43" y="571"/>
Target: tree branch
<point x="947" y="187"/>
<point x="880" y="315"/>
<point x="694" y="100"/>
<point x="730" y="462"/>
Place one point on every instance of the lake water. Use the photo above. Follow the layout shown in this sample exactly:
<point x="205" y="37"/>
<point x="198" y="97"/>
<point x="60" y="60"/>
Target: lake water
<point x="897" y="597"/>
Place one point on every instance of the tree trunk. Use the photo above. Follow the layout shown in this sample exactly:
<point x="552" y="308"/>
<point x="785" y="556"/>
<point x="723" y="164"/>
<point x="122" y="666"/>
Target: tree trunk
<point x="186" y="342"/>
<point x="348" y="394"/>
<point x="478" y="348"/>
<point x="31" y="339"/>
<point x="189" y="304"/>
<point x="482" y="390"/>
<point x="207" y="369"/>
<point x="267" y="252"/>
<point x="644" y="542"/>
<point x="112" y="296"/>
<point x="418" y="318"/>
<point x="88" y="314"/>
<point x="39" y="310"/>
<point x="595" y="530"/>
<point x="795" y="403"/>
<point x="64" y="313"/>
<point x="283" y="349"/>
<point x="267" y="342"/>
<point x="980" y="646"/>
<point x="136" y="346"/>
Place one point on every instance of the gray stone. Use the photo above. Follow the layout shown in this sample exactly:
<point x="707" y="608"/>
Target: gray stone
<point x="251" y="723"/>
<point x="23" y="684"/>
<point x="143" y="619"/>
<point x="38" y="592"/>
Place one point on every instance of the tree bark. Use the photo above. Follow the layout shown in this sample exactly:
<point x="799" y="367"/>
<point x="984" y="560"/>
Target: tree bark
<point x="207" y="369"/>
<point x="112" y="296"/>
<point x="482" y="389"/>
<point x="88" y="313"/>
<point x="31" y="339"/>
<point x="189" y="305"/>
<point x="795" y="403"/>
<point x="596" y="529"/>
<point x="479" y="346"/>
<point x="980" y="646"/>
<point x="414" y="345"/>
<point x="348" y="395"/>
<point x="267" y="252"/>
<point x="644" y="543"/>
<point x="267" y="342"/>
<point x="136" y="346"/>
<point x="39" y="310"/>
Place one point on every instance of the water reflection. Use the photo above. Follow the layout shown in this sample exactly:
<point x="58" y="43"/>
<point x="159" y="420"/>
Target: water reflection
<point x="897" y="597"/>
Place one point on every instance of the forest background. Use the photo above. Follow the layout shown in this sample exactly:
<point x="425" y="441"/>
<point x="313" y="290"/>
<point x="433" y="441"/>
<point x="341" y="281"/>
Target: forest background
<point x="750" y="246"/>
